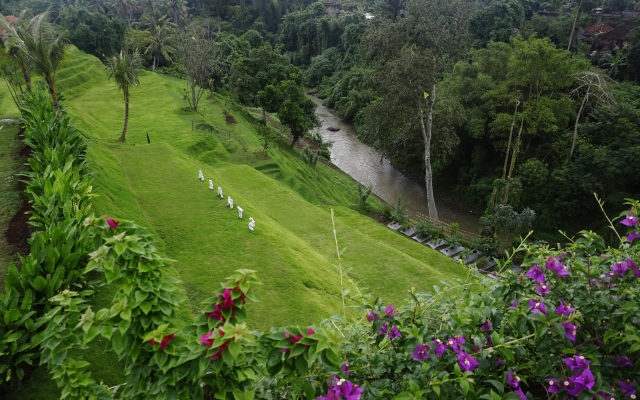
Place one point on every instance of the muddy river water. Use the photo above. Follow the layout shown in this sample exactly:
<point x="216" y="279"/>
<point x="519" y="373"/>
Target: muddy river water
<point x="367" y="166"/>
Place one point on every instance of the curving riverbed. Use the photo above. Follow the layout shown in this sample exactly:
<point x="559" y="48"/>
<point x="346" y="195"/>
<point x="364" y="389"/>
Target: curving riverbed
<point x="367" y="166"/>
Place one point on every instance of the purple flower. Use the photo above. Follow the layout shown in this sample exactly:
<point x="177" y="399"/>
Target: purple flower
<point x="384" y="330"/>
<point x="394" y="333"/>
<point x="536" y="274"/>
<point x="455" y="343"/>
<point x="628" y="389"/>
<point x="390" y="311"/>
<point x="630" y="220"/>
<point x="420" y="353"/>
<point x="207" y="339"/>
<point x="623" y="361"/>
<point x="440" y="347"/>
<point x="554" y="264"/>
<point x="486" y="327"/>
<point x="342" y="388"/>
<point x="554" y="386"/>
<point x="619" y="268"/>
<point x="538" y="307"/>
<point x="577" y="362"/>
<point x="514" y="304"/>
<point x="570" y="331"/>
<point x="566" y="311"/>
<point x="371" y="316"/>
<point x="513" y="379"/>
<point x="633" y="236"/>
<point x="466" y="362"/>
<point x="542" y="289"/>
<point x="520" y="394"/>
<point x="581" y="381"/>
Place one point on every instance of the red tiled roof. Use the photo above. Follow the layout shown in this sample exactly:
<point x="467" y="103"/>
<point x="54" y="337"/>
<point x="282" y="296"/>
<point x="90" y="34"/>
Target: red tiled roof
<point x="596" y="29"/>
<point x="11" y="19"/>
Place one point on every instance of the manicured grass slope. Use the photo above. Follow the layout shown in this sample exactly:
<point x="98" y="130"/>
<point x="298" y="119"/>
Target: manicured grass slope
<point x="292" y="248"/>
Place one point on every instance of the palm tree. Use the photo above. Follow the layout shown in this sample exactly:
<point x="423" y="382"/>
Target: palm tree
<point x="124" y="68"/>
<point x="43" y="49"/>
<point x="11" y="44"/>
<point x="159" y="47"/>
<point x="176" y="9"/>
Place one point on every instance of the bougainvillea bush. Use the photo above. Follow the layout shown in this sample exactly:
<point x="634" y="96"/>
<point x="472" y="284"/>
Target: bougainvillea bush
<point x="564" y="325"/>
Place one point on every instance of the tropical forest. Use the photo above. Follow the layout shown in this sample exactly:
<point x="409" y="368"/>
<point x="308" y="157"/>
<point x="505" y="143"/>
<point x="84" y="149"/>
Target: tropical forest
<point x="329" y="200"/>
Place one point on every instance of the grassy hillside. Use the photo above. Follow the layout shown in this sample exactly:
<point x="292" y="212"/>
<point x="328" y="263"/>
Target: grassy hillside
<point x="292" y="248"/>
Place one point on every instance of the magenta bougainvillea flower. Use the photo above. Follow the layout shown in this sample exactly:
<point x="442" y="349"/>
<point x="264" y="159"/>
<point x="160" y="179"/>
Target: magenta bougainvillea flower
<point x="486" y="326"/>
<point x="207" y="339"/>
<point x="112" y="223"/>
<point x="421" y="352"/>
<point x="628" y="389"/>
<point x="164" y="342"/>
<point x="554" y="264"/>
<point x="536" y="274"/>
<point x="342" y="389"/>
<point x="570" y="331"/>
<point x="537" y="307"/>
<point x="371" y="316"/>
<point x="455" y="343"/>
<point x="440" y="347"/>
<point x="384" y="329"/>
<point x="293" y="339"/>
<point x="466" y="362"/>
<point x="564" y="310"/>
<point x="390" y="311"/>
<point x="630" y="220"/>
<point x="227" y="299"/>
<point x="554" y="385"/>
<point x="581" y="381"/>
<point x="543" y="289"/>
<point x="577" y="362"/>
<point x="394" y="333"/>
<point x="513" y="379"/>
<point x="623" y="361"/>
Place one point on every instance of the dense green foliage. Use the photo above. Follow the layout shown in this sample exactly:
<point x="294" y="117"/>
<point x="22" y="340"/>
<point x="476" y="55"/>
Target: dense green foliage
<point x="59" y="191"/>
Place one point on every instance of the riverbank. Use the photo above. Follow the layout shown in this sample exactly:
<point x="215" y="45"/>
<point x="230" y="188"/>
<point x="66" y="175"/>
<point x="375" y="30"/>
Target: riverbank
<point x="368" y="167"/>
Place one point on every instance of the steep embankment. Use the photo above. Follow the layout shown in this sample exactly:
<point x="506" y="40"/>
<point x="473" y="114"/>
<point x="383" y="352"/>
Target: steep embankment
<point x="156" y="184"/>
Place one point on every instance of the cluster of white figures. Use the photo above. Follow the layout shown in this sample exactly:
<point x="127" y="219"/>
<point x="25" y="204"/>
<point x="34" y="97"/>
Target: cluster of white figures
<point x="252" y="222"/>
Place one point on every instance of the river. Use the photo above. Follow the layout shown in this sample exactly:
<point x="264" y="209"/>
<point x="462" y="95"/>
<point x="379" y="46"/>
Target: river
<point x="368" y="167"/>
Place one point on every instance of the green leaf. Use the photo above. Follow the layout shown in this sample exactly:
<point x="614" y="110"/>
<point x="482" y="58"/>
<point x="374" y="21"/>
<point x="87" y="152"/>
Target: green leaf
<point x="11" y="316"/>
<point x="234" y="349"/>
<point x="436" y="388"/>
<point x="464" y="385"/>
<point x="39" y="284"/>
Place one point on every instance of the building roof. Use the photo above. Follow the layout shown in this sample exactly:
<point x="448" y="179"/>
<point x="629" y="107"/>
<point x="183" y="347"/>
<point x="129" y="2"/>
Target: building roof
<point x="596" y="29"/>
<point x="10" y="19"/>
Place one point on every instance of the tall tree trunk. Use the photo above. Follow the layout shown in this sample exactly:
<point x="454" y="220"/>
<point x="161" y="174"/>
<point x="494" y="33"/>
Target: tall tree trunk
<point x="514" y="157"/>
<point x="575" y="127"/>
<point x="52" y="91"/>
<point x="494" y="194"/>
<point x="126" y="118"/>
<point x="573" y="28"/>
<point x="27" y="76"/>
<point x="153" y="68"/>
<point x="426" y="135"/>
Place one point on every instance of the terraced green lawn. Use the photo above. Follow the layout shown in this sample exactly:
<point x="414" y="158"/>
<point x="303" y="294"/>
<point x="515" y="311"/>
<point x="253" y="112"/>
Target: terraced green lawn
<point x="292" y="248"/>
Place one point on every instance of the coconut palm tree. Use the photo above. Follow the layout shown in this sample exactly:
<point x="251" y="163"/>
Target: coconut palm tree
<point x="125" y="68"/>
<point x="44" y="49"/>
<point x="11" y="44"/>
<point x="160" y="36"/>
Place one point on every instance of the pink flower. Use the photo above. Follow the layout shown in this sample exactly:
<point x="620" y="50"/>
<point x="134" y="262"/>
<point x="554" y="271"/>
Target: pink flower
<point x="112" y="223"/>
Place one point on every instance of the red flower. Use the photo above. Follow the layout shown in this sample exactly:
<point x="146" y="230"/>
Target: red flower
<point x="112" y="223"/>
